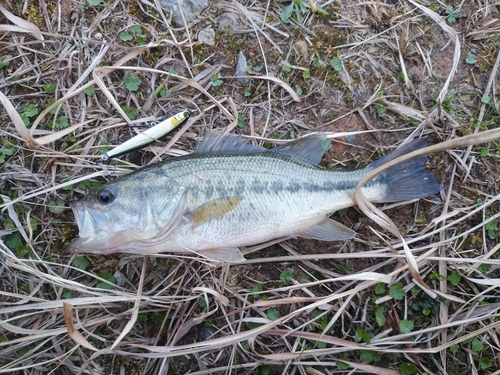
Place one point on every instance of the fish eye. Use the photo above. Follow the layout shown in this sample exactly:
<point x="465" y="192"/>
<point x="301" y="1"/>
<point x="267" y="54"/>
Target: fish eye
<point x="105" y="196"/>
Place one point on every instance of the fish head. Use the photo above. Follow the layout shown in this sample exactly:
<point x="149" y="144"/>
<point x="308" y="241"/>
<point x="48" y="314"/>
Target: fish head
<point x="133" y="214"/>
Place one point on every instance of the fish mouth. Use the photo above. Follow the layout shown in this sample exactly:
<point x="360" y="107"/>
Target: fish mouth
<point x="93" y="230"/>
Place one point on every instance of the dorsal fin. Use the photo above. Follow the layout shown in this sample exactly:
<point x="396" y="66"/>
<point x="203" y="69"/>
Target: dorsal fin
<point x="308" y="149"/>
<point x="220" y="142"/>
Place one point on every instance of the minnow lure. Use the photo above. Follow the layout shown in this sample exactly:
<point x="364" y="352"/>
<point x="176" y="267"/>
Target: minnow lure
<point x="148" y="136"/>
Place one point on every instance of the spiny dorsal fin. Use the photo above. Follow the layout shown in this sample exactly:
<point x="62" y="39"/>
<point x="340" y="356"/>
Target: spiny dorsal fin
<point x="220" y="142"/>
<point x="308" y="149"/>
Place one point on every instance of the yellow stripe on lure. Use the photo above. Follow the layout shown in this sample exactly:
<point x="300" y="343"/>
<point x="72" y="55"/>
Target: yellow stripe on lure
<point x="148" y="136"/>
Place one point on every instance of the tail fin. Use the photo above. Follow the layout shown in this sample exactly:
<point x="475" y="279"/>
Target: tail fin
<point x="410" y="179"/>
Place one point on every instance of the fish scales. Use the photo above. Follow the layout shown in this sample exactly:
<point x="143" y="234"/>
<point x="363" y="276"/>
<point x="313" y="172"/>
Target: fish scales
<point x="230" y="194"/>
<point x="273" y="187"/>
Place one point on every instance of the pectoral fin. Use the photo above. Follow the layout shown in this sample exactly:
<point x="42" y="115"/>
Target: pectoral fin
<point x="226" y="254"/>
<point x="212" y="210"/>
<point x="328" y="230"/>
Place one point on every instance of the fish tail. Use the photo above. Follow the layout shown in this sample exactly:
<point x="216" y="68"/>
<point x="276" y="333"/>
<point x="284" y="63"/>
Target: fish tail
<point x="410" y="179"/>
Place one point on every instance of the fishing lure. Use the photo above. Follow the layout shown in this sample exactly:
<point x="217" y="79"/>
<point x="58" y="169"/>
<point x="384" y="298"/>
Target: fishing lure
<point x="148" y="136"/>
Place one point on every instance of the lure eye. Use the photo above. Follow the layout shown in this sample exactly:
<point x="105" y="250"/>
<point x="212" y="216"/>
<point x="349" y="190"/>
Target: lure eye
<point x="105" y="196"/>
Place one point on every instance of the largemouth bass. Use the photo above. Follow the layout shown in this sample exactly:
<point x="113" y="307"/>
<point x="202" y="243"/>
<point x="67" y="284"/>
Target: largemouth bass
<point x="229" y="193"/>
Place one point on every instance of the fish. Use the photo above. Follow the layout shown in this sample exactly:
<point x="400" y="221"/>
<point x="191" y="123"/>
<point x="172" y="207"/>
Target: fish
<point x="229" y="193"/>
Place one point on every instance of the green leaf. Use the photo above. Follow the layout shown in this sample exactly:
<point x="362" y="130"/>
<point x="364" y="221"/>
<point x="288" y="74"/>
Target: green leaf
<point x="49" y="89"/>
<point x="3" y="63"/>
<point x="29" y="110"/>
<point x="397" y="291"/>
<point x="95" y="2"/>
<point x="485" y="99"/>
<point x="56" y="207"/>
<point x="306" y="74"/>
<point x="136" y="29"/>
<point x="484" y="268"/>
<point x="34" y="223"/>
<point x="380" y="316"/>
<point x="14" y="241"/>
<point x="216" y="82"/>
<point x="241" y="121"/>
<point x="485" y="363"/>
<point x="132" y="83"/>
<point x="477" y="345"/>
<point x="361" y="334"/>
<point x="89" y="90"/>
<point x="407" y="368"/>
<point x="287" y="13"/>
<point x="380" y="109"/>
<point x="485" y="151"/>
<point x="341" y="365"/>
<point x="304" y="278"/>
<point x="343" y="212"/>
<point x="454" y="278"/>
<point x="204" y="303"/>
<point x="453" y="14"/>
<point x="320" y="10"/>
<point x="247" y="92"/>
<point x="80" y="262"/>
<point x="257" y="288"/>
<point x="406" y="326"/>
<point x="454" y="349"/>
<point x="287" y="68"/>
<point x="126" y="36"/>
<point x="67" y="294"/>
<point x="320" y="344"/>
<point x="322" y="321"/>
<point x="273" y="314"/>
<point x="369" y="356"/>
<point x="108" y="277"/>
<point x="491" y="228"/>
<point x="380" y="289"/>
<point x="336" y="63"/>
<point x="471" y="59"/>
<point x="62" y="123"/>
<point x="286" y="275"/>
<point x="141" y="40"/>
<point x="129" y="112"/>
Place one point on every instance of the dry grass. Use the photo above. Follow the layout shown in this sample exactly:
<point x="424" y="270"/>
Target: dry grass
<point x="294" y="306"/>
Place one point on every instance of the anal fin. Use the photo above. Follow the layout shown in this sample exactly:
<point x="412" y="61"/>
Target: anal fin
<point x="328" y="230"/>
<point x="225" y="254"/>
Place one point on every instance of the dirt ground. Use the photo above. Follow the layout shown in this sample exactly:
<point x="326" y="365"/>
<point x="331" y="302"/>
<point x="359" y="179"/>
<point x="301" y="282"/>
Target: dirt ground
<point x="75" y="76"/>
